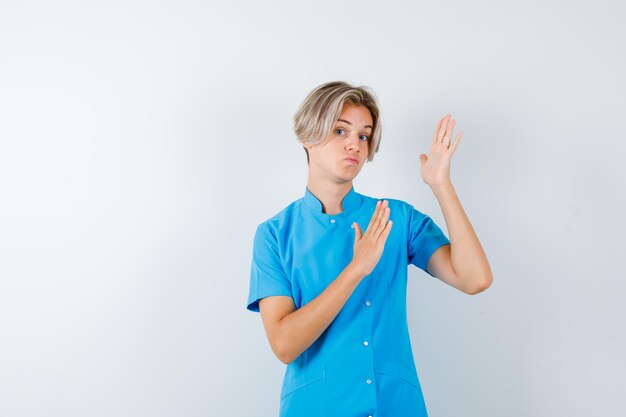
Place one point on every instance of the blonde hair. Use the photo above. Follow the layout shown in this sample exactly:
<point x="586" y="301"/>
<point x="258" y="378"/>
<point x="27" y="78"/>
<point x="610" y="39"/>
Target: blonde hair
<point x="320" y="110"/>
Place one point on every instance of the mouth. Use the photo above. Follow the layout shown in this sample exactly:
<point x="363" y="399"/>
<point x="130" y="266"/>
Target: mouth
<point x="352" y="161"/>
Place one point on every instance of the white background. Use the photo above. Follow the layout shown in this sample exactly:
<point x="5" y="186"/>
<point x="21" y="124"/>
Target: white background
<point x="142" y="142"/>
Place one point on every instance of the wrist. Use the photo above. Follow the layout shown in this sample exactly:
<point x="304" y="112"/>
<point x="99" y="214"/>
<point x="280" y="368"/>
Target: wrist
<point x="444" y="184"/>
<point x="442" y="189"/>
<point x="354" y="272"/>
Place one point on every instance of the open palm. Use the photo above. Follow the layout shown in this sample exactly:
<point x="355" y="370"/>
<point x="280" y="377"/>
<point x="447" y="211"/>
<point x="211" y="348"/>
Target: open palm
<point x="435" y="167"/>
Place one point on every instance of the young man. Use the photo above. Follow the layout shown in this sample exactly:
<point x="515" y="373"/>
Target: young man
<point x="332" y="297"/>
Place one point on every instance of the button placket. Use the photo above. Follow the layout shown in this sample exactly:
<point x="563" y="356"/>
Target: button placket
<point x="368" y="303"/>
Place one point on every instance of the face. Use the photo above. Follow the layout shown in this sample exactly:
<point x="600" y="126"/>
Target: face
<point x="344" y="152"/>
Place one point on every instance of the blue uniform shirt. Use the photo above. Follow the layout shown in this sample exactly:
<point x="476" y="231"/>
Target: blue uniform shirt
<point x="362" y="365"/>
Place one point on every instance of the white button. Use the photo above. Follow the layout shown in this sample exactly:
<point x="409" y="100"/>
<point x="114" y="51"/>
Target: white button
<point x="365" y="343"/>
<point x="369" y="415"/>
<point x="332" y="220"/>
<point x="369" y="381"/>
<point x="368" y="303"/>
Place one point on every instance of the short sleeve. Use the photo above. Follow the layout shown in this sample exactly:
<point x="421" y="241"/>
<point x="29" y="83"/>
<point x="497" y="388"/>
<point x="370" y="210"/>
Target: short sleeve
<point x="267" y="275"/>
<point x="424" y="238"/>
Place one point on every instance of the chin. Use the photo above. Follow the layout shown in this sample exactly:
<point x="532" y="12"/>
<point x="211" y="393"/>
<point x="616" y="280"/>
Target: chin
<point x="351" y="177"/>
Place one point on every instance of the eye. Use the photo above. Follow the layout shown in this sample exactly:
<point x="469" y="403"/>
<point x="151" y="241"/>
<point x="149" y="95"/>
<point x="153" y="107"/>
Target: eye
<point x="365" y="137"/>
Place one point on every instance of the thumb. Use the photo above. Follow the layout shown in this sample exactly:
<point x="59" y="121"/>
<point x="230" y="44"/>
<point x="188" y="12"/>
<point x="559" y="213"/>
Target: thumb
<point x="423" y="158"/>
<point x="357" y="232"/>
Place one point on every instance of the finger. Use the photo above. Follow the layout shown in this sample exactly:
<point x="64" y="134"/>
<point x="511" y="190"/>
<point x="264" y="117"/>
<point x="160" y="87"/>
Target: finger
<point x="379" y="221"/>
<point x="436" y="134"/>
<point x="383" y="222"/>
<point x="456" y="142"/>
<point x="357" y="232"/>
<point x="373" y="219"/>
<point x="386" y="232"/>
<point x="381" y="213"/>
<point x="444" y="126"/>
<point x="448" y="135"/>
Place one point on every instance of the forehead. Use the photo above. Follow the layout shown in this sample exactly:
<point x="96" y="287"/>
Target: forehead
<point x="356" y="114"/>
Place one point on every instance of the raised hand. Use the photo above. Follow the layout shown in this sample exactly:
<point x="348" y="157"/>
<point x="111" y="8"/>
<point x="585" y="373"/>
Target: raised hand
<point x="368" y="247"/>
<point x="435" y="167"/>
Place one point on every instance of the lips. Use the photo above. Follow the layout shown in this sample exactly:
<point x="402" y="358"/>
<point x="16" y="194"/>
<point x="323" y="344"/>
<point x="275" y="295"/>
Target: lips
<point x="352" y="160"/>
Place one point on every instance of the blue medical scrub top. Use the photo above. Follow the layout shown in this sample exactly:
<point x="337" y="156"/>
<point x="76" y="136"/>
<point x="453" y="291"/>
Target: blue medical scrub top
<point x="362" y="365"/>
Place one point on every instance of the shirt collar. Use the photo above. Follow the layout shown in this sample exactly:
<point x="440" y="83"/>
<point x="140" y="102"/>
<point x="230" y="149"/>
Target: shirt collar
<point x="351" y="201"/>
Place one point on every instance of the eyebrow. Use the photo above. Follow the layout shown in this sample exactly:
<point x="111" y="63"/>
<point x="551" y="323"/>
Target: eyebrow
<point x="345" y="121"/>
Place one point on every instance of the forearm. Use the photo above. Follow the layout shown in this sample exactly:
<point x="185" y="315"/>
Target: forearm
<point x="305" y="325"/>
<point x="468" y="257"/>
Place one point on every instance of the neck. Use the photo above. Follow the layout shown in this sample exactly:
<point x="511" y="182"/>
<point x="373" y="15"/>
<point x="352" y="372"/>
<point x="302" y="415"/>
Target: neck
<point x="330" y="194"/>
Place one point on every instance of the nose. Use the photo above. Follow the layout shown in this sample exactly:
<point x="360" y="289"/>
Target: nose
<point x="353" y="143"/>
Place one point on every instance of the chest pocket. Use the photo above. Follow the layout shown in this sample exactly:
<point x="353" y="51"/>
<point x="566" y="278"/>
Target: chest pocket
<point x="304" y="395"/>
